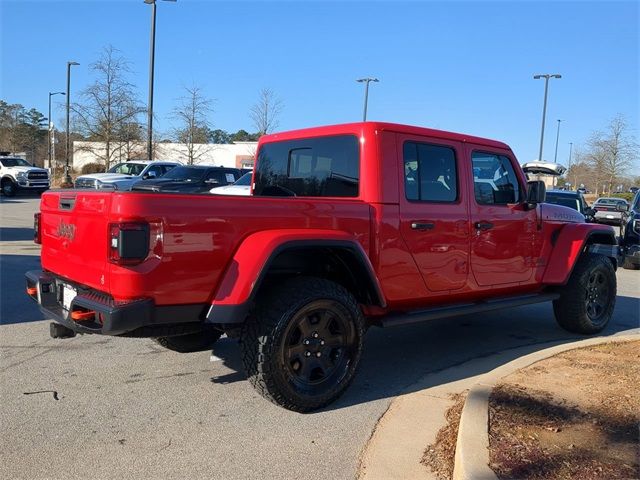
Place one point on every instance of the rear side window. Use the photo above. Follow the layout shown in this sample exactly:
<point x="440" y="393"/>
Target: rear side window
<point x="494" y="180"/>
<point x="313" y="167"/>
<point x="429" y="173"/>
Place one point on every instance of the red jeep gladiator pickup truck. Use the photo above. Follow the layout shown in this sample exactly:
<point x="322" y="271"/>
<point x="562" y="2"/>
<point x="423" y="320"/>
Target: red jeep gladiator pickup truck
<point x="348" y="226"/>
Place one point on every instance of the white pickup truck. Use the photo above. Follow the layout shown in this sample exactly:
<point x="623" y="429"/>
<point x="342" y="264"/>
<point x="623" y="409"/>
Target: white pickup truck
<point x="124" y="175"/>
<point x="18" y="174"/>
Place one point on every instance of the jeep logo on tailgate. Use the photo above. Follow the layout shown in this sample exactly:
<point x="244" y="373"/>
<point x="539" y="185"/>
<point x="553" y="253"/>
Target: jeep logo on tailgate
<point x="66" y="230"/>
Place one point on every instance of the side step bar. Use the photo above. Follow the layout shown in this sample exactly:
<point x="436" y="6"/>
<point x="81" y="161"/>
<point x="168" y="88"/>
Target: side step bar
<point x="465" y="309"/>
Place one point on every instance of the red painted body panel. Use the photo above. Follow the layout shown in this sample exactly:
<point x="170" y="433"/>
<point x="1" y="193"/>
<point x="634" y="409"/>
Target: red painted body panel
<point x="207" y="249"/>
<point x="253" y="255"/>
<point x="569" y="244"/>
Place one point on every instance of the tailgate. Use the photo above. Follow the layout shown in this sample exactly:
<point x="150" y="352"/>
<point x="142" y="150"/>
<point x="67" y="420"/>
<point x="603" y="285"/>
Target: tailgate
<point x="74" y="235"/>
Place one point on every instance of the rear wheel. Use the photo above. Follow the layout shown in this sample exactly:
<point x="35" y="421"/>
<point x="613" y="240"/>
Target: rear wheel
<point x="587" y="301"/>
<point x="302" y="345"/>
<point x="192" y="342"/>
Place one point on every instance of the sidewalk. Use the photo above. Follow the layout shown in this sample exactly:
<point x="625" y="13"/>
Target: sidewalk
<point x="412" y="421"/>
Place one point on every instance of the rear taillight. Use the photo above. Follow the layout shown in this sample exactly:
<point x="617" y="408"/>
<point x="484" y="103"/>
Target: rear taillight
<point x="37" y="235"/>
<point x="128" y="242"/>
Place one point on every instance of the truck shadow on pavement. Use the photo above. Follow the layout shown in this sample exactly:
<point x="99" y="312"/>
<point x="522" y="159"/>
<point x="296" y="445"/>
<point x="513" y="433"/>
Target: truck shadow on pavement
<point x="14" y="234"/>
<point x="403" y="359"/>
<point x="15" y="305"/>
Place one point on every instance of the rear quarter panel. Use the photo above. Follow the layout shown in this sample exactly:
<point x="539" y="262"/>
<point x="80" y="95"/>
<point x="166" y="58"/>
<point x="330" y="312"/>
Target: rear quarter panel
<point x="194" y="238"/>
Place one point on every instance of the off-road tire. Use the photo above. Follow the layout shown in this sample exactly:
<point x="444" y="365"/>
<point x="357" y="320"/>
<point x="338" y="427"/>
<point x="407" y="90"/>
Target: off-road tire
<point x="265" y="342"/>
<point x="578" y="310"/>
<point x="9" y="188"/>
<point x="629" y="265"/>
<point x="191" y="342"/>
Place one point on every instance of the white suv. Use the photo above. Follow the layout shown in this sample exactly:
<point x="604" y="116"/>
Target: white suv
<point x="124" y="175"/>
<point x="18" y="174"/>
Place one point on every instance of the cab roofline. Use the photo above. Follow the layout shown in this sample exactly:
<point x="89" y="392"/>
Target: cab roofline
<point x="359" y="127"/>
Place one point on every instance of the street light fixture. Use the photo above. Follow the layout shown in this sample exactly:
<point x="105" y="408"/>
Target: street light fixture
<point x="152" y="52"/>
<point x="546" y="77"/>
<point x="51" y="94"/>
<point x="67" y="176"/>
<point x="366" y="81"/>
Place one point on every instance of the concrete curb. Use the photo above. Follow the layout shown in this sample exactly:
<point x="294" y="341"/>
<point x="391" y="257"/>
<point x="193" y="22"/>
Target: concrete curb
<point x="472" y="447"/>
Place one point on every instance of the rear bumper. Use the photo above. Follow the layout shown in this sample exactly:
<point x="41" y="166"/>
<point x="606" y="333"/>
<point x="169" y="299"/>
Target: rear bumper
<point x="140" y="318"/>
<point x="608" y="217"/>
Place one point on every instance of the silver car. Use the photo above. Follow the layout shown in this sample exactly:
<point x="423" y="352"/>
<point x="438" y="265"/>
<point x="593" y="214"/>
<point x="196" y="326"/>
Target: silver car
<point x="611" y="210"/>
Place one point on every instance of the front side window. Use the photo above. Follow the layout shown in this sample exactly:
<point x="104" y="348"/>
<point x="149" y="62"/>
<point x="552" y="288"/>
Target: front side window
<point x="494" y="179"/>
<point x="128" y="168"/>
<point x="429" y="173"/>
<point x="15" y="162"/>
<point x="313" y="167"/>
<point x="186" y="174"/>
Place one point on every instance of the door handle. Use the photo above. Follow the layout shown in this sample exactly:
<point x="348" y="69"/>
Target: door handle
<point x="483" y="225"/>
<point x="422" y="226"/>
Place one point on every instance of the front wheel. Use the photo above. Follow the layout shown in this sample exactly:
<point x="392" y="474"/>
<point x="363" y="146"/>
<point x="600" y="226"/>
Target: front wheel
<point x="587" y="301"/>
<point x="9" y="188"/>
<point x="302" y="344"/>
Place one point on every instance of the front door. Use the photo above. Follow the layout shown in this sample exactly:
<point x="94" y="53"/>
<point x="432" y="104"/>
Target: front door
<point x="503" y="229"/>
<point x="433" y="210"/>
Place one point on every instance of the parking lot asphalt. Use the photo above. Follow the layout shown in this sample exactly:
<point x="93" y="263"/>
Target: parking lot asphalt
<point x="101" y="407"/>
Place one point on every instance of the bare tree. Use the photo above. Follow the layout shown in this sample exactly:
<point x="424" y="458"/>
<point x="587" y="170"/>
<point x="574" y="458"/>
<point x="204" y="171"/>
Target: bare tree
<point x="109" y="105"/>
<point x="611" y="153"/>
<point x="193" y="129"/>
<point x="266" y="111"/>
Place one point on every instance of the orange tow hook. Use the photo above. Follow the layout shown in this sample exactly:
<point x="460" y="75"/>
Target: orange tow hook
<point x="32" y="290"/>
<point x="79" y="316"/>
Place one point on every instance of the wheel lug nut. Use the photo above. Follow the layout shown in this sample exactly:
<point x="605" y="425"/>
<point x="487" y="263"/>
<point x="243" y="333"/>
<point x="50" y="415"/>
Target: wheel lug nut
<point x="321" y="342"/>
<point x="307" y="354"/>
<point x="318" y="354"/>
<point x="315" y="335"/>
<point x="306" y="342"/>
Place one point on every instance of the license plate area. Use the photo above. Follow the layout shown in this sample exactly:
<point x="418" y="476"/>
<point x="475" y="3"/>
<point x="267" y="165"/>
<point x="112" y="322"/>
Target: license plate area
<point x="66" y="294"/>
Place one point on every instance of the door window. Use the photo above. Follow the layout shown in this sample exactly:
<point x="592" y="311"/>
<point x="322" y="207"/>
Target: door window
<point x="494" y="179"/>
<point x="429" y="173"/>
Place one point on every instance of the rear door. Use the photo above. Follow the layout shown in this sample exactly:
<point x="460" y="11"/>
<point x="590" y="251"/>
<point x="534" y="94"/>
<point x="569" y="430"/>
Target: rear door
<point x="433" y="210"/>
<point x="503" y="229"/>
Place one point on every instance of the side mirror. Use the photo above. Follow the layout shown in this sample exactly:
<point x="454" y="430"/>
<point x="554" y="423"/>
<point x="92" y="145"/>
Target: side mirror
<point x="150" y="174"/>
<point x="536" y="193"/>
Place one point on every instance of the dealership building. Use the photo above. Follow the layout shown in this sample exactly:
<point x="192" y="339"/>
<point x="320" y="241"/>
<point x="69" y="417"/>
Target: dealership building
<point x="235" y="155"/>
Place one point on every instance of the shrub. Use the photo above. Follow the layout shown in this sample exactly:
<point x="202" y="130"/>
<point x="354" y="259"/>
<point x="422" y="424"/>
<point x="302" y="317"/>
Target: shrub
<point x="92" y="168"/>
<point x="628" y="196"/>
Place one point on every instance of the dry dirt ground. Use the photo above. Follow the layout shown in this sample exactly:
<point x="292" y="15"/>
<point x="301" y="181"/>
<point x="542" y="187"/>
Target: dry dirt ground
<point x="574" y="415"/>
<point x="439" y="457"/>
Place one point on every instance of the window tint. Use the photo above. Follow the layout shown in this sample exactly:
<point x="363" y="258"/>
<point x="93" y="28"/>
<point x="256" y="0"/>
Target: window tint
<point x="157" y="169"/>
<point x="429" y="173"/>
<point x="318" y="167"/>
<point x="495" y="182"/>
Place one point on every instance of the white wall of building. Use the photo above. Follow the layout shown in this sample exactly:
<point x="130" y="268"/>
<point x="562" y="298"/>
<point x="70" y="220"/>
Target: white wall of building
<point x="237" y="155"/>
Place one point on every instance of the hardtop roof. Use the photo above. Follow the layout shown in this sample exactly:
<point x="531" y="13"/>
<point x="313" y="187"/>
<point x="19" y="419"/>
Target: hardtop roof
<point x="346" y="128"/>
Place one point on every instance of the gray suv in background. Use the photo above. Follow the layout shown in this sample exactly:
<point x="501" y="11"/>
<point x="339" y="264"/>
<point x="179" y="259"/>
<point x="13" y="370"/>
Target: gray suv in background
<point x="124" y="175"/>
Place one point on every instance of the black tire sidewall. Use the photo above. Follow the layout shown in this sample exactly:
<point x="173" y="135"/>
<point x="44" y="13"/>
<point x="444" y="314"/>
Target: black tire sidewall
<point x="266" y="332"/>
<point x="571" y="309"/>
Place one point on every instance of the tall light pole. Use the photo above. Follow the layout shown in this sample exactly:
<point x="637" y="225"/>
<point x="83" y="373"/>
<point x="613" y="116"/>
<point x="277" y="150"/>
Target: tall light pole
<point x="67" y="176"/>
<point x="546" y="77"/>
<point x="366" y="82"/>
<point x="555" y="157"/>
<point x="152" y="53"/>
<point x="51" y="125"/>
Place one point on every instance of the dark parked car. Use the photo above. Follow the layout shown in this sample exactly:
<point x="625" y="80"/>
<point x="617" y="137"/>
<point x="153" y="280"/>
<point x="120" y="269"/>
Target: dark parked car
<point x="573" y="200"/>
<point x="630" y="240"/>
<point x="191" y="179"/>
<point x="612" y="211"/>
